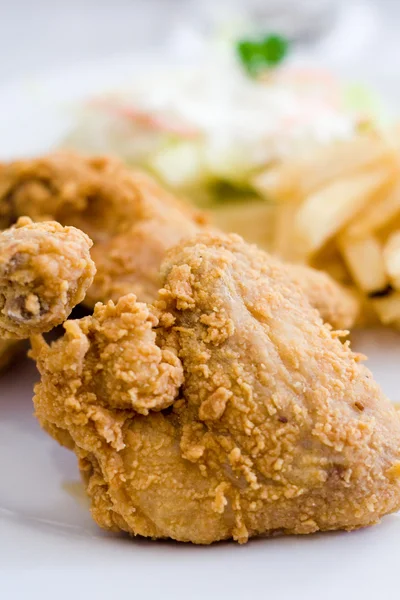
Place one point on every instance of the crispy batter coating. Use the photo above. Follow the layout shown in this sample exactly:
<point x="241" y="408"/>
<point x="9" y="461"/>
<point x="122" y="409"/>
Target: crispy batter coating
<point x="45" y="270"/>
<point x="273" y="424"/>
<point x="132" y="222"/>
<point x="337" y="305"/>
<point x="131" y="219"/>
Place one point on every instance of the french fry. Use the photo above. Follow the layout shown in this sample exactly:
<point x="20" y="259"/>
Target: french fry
<point x="364" y="259"/>
<point x="285" y="244"/>
<point x="391" y="257"/>
<point x="328" y="211"/>
<point x="279" y="183"/>
<point x="343" y="159"/>
<point x="305" y="176"/>
<point x="331" y="261"/>
<point x="253" y="220"/>
<point x="387" y="230"/>
<point x="379" y="214"/>
<point x="388" y="308"/>
<point x="339" y="211"/>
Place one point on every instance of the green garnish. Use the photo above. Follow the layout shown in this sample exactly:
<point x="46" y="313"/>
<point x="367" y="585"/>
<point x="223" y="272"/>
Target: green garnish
<point x="226" y="192"/>
<point x="264" y="53"/>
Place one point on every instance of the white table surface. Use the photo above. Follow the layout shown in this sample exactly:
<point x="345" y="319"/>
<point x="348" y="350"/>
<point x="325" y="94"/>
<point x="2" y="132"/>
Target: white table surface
<point x="41" y="35"/>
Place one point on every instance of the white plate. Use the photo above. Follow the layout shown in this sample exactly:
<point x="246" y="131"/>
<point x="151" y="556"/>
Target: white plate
<point x="49" y="546"/>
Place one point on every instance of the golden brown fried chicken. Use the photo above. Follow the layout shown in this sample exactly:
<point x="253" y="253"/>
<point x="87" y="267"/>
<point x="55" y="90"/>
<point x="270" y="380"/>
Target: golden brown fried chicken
<point x="45" y="270"/>
<point x="132" y="222"/>
<point x="131" y="219"/>
<point x="337" y="305"/>
<point x="226" y="410"/>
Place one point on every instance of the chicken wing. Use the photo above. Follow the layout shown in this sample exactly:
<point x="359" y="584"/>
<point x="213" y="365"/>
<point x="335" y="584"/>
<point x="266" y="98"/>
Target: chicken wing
<point x="226" y="409"/>
<point x="45" y="270"/>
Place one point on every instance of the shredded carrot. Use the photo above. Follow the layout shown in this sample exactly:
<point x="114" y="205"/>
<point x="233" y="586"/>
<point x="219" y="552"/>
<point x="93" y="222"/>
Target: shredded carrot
<point x="145" y="119"/>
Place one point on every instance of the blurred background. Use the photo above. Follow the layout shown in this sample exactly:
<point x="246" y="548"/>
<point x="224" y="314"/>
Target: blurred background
<point x="349" y="35"/>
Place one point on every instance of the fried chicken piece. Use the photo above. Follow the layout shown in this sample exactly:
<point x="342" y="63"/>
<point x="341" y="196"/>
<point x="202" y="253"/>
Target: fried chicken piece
<point x="337" y="305"/>
<point x="45" y="270"/>
<point x="132" y="222"/>
<point x="131" y="219"/>
<point x="228" y="409"/>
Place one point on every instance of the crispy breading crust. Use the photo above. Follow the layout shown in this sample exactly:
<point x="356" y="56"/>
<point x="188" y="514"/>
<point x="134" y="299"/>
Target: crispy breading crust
<point x="273" y="425"/>
<point x="132" y="222"/>
<point x="337" y="305"/>
<point x="131" y="219"/>
<point x="45" y="270"/>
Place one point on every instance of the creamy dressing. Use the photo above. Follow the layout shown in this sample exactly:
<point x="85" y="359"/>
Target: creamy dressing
<point x="194" y="125"/>
<point x="269" y="118"/>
